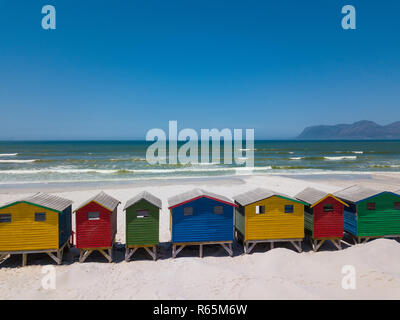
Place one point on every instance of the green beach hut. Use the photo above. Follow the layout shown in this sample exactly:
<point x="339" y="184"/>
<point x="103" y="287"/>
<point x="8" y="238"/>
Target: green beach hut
<point x="371" y="213"/>
<point x="142" y="216"/>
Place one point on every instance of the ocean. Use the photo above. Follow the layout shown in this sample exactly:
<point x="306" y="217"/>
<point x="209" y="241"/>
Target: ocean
<point x="76" y="161"/>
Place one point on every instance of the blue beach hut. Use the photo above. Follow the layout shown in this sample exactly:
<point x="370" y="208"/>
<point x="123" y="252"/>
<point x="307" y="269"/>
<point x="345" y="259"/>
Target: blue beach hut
<point x="198" y="217"/>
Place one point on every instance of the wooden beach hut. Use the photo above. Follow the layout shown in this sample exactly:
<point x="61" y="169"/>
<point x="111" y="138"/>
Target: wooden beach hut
<point x="142" y="214"/>
<point x="199" y="217"/>
<point x="37" y="224"/>
<point x="371" y="213"/>
<point x="96" y="226"/>
<point x="264" y="215"/>
<point x="323" y="217"/>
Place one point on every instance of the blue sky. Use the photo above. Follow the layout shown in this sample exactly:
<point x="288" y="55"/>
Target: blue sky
<point x="115" y="69"/>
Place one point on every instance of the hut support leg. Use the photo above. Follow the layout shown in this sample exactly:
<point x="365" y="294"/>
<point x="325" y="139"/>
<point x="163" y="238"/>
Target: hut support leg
<point x="24" y="259"/>
<point x="228" y="248"/>
<point x="297" y="246"/>
<point x="272" y="245"/>
<point x="201" y="251"/>
<point x="4" y="257"/>
<point x="84" y="254"/>
<point x="55" y="258"/>
<point x="317" y="245"/>
<point x="152" y="254"/>
<point x="105" y="255"/>
<point x="245" y="247"/>
<point x="337" y="243"/>
<point x="179" y="250"/>
<point x="155" y="252"/>
<point x="129" y="253"/>
<point x="251" y="247"/>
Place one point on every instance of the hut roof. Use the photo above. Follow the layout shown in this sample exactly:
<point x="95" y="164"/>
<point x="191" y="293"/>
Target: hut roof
<point x="259" y="194"/>
<point x="196" y="194"/>
<point x="144" y="195"/>
<point x="356" y="193"/>
<point x="313" y="196"/>
<point x="104" y="200"/>
<point x="45" y="200"/>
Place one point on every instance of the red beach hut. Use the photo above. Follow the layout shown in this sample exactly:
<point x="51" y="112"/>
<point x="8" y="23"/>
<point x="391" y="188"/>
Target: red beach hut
<point x="96" y="225"/>
<point x="323" y="217"/>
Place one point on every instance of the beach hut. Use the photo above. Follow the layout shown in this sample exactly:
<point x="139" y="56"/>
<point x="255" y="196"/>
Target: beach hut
<point x="96" y="225"/>
<point x="37" y="224"/>
<point x="264" y="215"/>
<point x="199" y="217"/>
<point x="371" y="213"/>
<point x="142" y="214"/>
<point x="323" y="217"/>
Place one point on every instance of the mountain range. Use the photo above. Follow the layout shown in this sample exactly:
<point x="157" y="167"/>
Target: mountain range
<point x="358" y="130"/>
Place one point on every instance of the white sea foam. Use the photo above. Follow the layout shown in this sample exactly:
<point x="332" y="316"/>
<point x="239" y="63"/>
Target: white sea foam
<point x="341" y="158"/>
<point x="17" y="161"/>
<point x="358" y="152"/>
<point x="296" y="158"/>
<point x="8" y="154"/>
<point x="115" y="171"/>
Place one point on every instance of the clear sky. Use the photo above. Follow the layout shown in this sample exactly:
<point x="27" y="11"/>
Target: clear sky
<point x="115" y="69"/>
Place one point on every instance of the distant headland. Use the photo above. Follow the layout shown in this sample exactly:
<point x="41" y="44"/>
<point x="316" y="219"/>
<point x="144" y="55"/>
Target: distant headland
<point x="358" y="130"/>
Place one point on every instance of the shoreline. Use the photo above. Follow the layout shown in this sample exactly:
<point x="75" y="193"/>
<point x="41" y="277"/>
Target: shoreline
<point x="382" y="179"/>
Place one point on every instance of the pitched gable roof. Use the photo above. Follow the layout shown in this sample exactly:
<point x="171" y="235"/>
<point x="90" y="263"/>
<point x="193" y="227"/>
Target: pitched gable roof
<point x="259" y="194"/>
<point x="314" y="196"/>
<point x="144" y="196"/>
<point x="194" y="195"/>
<point x="356" y="193"/>
<point x="103" y="199"/>
<point x="44" y="200"/>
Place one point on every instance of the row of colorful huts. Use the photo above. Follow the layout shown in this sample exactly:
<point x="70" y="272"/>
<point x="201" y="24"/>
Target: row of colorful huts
<point x="43" y="222"/>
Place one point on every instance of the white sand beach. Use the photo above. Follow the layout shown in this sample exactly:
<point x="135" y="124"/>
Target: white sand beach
<point x="280" y="273"/>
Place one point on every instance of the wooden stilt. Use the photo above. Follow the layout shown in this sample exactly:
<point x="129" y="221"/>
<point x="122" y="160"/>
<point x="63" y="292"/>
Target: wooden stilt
<point x="24" y="259"/>
<point x="272" y="245"/>
<point x="201" y="251"/>
<point x="297" y="246"/>
<point x="4" y="257"/>
<point x="179" y="250"/>
<point x="84" y="254"/>
<point x="55" y="258"/>
<point x="105" y="255"/>
<point x="227" y="249"/>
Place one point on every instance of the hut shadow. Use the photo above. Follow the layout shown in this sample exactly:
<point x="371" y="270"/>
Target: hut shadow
<point x="164" y="251"/>
<point x="38" y="259"/>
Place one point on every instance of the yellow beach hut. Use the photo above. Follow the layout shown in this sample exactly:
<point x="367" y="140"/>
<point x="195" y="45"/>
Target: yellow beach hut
<point x="37" y="224"/>
<point x="264" y="215"/>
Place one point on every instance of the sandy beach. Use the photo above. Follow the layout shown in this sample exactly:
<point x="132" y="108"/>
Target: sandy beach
<point x="281" y="273"/>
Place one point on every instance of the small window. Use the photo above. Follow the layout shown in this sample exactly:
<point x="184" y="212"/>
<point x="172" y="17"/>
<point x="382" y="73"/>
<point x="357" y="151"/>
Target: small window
<point x="260" y="209"/>
<point x="218" y="209"/>
<point x="142" y="213"/>
<point x="40" y="216"/>
<point x="289" y="208"/>
<point x="371" y="206"/>
<point x="93" y="215"/>
<point x="328" y="207"/>
<point x="397" y="206"/>
<point x="188" y="211"/>
<point x="4" y="218"/>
